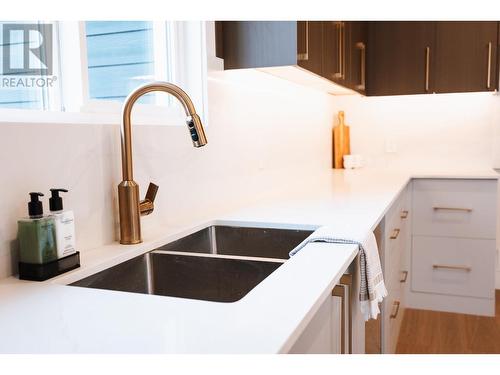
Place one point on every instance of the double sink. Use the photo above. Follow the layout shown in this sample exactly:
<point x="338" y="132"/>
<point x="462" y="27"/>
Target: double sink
<point x="218" y="263"/>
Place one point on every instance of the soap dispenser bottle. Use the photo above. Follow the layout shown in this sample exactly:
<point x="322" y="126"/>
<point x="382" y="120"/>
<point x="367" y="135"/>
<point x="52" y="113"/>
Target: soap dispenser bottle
<point x="36" y="234"/>
<point x="64" y="224"/>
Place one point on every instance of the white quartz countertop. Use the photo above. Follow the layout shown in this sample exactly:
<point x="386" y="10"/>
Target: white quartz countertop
<point x="50" y="317"/>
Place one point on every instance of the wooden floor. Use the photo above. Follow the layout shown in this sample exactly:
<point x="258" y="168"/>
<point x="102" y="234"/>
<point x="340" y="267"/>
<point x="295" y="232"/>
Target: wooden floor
<point x="432" y="332"/>
<point x="373" y="336"/>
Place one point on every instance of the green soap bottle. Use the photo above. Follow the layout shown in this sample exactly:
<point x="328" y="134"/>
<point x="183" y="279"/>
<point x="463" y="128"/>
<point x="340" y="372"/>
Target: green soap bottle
<point x="36" y="234"/>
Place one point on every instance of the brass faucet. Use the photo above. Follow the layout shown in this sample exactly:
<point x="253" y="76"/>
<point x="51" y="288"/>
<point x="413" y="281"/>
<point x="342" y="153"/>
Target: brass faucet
<point x="130" y="208"/>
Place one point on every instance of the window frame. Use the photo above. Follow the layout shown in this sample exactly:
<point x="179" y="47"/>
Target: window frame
<point x="75" y="106"/>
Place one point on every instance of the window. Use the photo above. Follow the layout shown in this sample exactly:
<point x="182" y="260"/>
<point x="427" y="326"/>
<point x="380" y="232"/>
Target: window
<point x="120" y="57"/>
<point x="98" y="63"/>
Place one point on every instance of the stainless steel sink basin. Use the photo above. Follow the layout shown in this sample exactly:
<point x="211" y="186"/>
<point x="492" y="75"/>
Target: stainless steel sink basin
<point x="196" y="277"/>
<point x="221" y="265"/>
<point x="242" y="241"/>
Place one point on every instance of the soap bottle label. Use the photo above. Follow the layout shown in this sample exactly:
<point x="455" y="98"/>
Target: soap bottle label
<point x="65" y="233"/>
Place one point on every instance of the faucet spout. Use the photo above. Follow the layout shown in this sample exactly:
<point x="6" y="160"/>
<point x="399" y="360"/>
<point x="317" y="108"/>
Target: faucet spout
<point x="130" y="208"/>
<point x="193" y="120"/>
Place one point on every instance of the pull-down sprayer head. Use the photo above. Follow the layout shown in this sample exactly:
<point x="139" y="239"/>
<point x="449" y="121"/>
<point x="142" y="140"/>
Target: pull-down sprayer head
<point x="196" y="130"/>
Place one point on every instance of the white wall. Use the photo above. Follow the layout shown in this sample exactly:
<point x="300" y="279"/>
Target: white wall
<point x="427" y="131"/>
<point x="263" y="133"/>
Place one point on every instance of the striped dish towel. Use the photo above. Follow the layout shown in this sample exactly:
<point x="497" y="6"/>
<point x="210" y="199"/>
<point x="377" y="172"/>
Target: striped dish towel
<point x="372" y="288"/>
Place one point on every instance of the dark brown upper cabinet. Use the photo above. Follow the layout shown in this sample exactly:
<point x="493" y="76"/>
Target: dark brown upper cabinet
<point x="310" y="46"/>
<point x="326" y="48"/>
<point x="466" y="56"/>
<point x="400" y="58"/>
<point x="374" y="58"/>
<point x="334" y="51"/>
<point x="344" y="53"/>
<point x="356" y="47"/>
<point x="259" y="44"/>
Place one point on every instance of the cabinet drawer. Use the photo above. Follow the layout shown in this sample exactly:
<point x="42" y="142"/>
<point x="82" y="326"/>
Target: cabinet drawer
<point x="392" y="261"/>
<point x="454" y="208"/>
<point x="396" y="240"/>
<point x="393" y="316"/>
<point x="453" y="266"/>
<point x="398" y="213"/>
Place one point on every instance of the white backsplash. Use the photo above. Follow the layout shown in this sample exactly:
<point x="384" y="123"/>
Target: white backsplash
<point x="425" y="130"/>
<point x="263" y="133"/>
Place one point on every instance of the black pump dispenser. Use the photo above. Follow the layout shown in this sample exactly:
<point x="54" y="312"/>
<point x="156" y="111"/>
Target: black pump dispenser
<point x="55" y="202"/>
<point x="35" y="207"/>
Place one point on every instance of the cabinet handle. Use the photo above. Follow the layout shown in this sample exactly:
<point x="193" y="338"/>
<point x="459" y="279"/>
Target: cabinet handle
<point x="427" y="67"/>
<point x="452" y="209"/>
<point x="343" y="290"/>
<point x="342" y="24"/>
<point x="339" y="26"/>
<point x="404" y="214"/>
<point x="395" y="234"/>
<point x="394" y="314"/>
<point x="448" y="267"/>
<point x="361" y="46"/>
<point x="305" y="56"/>
<point x="488" y="82"/>
<point x="404" y="276"/>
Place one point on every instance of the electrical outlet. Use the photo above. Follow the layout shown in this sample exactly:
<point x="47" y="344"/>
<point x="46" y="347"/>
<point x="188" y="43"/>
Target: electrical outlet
<point x="390" y="146"/>
<point x="261" y="164"/>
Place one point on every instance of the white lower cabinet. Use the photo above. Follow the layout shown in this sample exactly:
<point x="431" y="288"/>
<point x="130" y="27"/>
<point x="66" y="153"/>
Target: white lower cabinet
<point x="392" y="318"/>
<point x="438" y="235"/>
<point x="438" y="248"/>
<point x="338" y="326"/>
<point x="453" y="266"/>
<point x="393" y="243"/>
<point x="453" y="251"/>
<point x="323" y="333"/>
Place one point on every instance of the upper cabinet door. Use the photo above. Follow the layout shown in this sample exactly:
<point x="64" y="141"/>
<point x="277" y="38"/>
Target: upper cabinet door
<point x="310" y="45"/>
<point x="466" y="56"/>
<point x="400" y="58"/>
<point x="334" y="51"/>
<point x="344" y="53"/>
<point x="257" y="44"/>
<point x="357" y="41"/>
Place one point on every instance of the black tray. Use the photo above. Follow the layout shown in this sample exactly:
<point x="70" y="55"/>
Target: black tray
<point x="42" y="272"/>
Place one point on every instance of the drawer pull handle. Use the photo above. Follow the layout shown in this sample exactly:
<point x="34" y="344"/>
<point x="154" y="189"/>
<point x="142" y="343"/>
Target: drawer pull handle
<point x="404" y="214"/>
<point x="448" y="267"/>
<point x="404" y="276"/>
<point x="395" y="234"/>
<point x="395" y="306"/>
<point x="453" y="209"/>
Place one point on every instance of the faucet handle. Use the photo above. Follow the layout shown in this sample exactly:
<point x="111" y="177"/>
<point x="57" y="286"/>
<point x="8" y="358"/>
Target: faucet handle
<point x="151" y="193"/>
<point x="147" y="205"/>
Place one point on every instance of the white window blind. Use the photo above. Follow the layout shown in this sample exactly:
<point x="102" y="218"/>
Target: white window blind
<point x="120" y="57"/>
